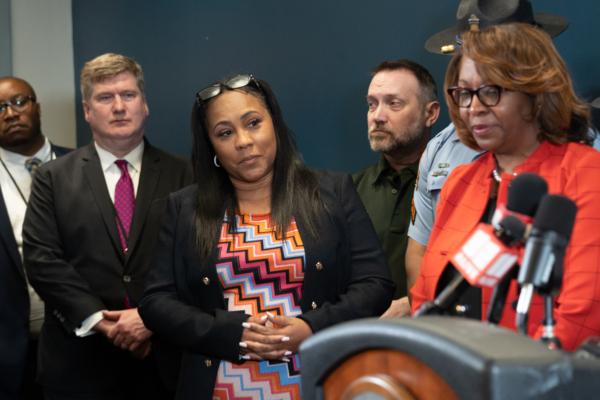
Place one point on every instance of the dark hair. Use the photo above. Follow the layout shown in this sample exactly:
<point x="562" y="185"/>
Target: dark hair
<point x="522" y="58"/>
<point x="294" y="190"/>
<point x="426" y="81"/>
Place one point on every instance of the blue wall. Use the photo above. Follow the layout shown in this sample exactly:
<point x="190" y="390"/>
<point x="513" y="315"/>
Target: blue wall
<point x="316" y="54"/>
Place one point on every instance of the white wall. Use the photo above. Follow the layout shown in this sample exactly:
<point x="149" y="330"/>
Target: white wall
<point x="42" y="54"/>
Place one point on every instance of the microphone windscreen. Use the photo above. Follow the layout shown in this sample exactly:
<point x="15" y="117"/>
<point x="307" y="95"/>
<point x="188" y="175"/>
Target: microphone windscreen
<point x="525" y="193"/>
<point x="511" y="230"/>
<point x="556" y="213"/>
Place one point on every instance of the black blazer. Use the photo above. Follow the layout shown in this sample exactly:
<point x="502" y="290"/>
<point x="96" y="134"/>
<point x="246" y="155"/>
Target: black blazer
<point x="74" y="261"/>
<point x="184" y="300"/>
<point x="14" y="305"/>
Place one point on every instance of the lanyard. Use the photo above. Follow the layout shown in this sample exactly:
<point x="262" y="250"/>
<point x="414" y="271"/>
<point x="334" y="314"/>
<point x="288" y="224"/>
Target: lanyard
<point x="14" y="181"/>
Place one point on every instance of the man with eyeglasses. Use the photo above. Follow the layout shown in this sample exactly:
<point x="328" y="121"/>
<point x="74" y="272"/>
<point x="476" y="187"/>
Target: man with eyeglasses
<point x="89" y="235"/>
<point x="23" y="148"/>
<point x="445" y="151"/>
<point x="402" y="107"/>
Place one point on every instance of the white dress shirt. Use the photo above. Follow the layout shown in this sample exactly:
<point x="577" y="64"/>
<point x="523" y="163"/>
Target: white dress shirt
<point x="111" y="171"/>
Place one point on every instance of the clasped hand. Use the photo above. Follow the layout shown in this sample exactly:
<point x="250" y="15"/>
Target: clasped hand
<point x="272" y="337"/>
<point x="125" y="329"/>
<point x="399" y="308"/>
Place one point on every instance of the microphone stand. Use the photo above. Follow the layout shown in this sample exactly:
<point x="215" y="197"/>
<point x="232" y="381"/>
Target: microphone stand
<point x="446" y="299"/>
<point x="498" y="299"/>
<point x="523" y="303"/>
<point x="548" y="336"/>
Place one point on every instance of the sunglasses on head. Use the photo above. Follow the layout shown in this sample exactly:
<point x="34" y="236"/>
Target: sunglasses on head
<point x="235" y="82"/>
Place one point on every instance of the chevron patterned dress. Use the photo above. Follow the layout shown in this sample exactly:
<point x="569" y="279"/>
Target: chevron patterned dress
<point x="260" y="273"/>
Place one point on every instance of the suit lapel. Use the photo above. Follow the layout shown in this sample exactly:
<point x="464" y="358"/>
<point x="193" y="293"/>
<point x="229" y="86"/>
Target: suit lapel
<point x="92" y="169"/>
<point x="149" y="176"/>
<point x="8" y="237"/>
<point x="58" y="150"/>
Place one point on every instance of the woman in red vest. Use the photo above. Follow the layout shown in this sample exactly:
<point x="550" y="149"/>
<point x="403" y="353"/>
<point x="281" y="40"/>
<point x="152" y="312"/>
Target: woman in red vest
<point x="509" y="93"/>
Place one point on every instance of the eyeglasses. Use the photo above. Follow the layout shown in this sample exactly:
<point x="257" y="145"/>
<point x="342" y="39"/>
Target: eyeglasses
<point x="488" y="95"/>
<point x="216" y="89"/>
<point x="16" y="103"/>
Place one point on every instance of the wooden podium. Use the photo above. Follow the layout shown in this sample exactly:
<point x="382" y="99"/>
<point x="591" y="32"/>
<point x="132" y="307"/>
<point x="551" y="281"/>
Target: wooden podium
<point x="438" y="358"/>
<point x="387" y="373"/>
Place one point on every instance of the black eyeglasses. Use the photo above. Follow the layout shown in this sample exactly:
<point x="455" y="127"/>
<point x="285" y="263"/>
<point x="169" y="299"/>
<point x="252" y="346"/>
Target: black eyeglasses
<point x="488" y="95"/>
<point x="16" y="103"/>
<point x="216" y="89"/>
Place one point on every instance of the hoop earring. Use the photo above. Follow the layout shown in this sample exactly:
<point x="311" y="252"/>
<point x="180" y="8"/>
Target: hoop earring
<point x="216" y="162"/>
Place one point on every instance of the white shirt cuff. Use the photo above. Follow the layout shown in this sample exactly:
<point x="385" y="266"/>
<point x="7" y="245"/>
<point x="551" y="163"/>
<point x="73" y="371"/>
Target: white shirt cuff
<point x="86" y="326"/>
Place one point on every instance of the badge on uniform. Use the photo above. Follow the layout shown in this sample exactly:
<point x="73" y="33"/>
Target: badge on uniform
<point x="413" y="211"/>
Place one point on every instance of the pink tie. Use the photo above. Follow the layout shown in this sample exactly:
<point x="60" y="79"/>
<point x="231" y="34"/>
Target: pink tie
<point x="124" y="203"/>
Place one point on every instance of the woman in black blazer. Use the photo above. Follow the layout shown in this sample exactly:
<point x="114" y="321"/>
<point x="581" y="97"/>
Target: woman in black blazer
<point x="259" y="254"/>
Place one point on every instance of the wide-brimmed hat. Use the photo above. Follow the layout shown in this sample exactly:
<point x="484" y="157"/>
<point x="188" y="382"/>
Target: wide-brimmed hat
<point x="488" y="13"/>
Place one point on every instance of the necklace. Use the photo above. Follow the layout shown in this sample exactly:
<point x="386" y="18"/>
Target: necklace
<point x="497" y="177"/>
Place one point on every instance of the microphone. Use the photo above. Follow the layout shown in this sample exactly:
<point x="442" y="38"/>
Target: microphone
<point x="482" y="260"/>
<point x="524" y="195"/>
<point x="489" y="252"/>
<point x="544" y="253"/>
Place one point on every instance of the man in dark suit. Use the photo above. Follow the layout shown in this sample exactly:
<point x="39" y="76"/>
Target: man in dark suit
<point x="22" y="148"/>
<point x="89" y="234"/>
